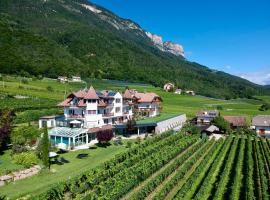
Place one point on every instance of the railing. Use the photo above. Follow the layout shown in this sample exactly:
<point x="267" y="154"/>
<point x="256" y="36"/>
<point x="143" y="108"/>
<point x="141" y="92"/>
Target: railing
<point x="75" y="116"/>
<point x="107" y="114"/>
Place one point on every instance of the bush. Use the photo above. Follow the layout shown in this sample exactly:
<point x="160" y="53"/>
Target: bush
<point x="219" y="107"/>
<point x="50" y="89"/>
<point x="265" y="107"/>
<point x="129" y="144"/>
<point x="25" y="81"/>
<point x="27" y="159"/>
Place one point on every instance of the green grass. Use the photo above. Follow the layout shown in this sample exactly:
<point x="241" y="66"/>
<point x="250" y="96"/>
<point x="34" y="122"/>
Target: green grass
<point x="172" y="103"/>
<point x="161" y="117"/>
<point x="7" y="165"/>
<point x="41" y="182"/>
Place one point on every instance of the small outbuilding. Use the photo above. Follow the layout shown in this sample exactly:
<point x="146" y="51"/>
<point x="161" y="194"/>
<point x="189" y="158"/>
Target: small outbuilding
<point x="168" y="87"/>
<point x="178" y="91"/>
<point x="190" y="92"/>
<point x="49" y="121"/>
<point x="261" y="124"/>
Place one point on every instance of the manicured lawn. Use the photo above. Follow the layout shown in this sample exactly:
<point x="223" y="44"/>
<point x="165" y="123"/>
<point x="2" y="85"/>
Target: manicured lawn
<point x="161" y="117"/>
<point x="73" y="167"/>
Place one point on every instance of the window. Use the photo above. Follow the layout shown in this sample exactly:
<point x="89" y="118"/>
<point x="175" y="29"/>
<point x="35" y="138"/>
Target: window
<point x="70" y="112"/>
<point x="118" y="100"/>
<point x="117" y="109"/>
<point x="91" y="112"/>
<point x="92" y="101"/>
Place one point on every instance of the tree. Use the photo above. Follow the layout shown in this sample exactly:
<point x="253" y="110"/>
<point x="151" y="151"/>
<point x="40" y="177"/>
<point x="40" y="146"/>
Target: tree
<point x="6" y="121"/>
<point x="131" y="126"/>
<point x="265" y="107"/>
<point x="191" y="129"/>
<point x="222" y="124"/>
<point x="105" y="136"/>
<point x="44" y="148"/>
<point x="23" y="136"/>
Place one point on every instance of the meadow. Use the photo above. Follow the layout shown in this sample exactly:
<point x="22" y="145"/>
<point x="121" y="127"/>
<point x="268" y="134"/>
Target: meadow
<point x="46" y="93"/>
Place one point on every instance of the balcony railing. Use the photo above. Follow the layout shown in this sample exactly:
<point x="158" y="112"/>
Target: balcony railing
<point x="107" y="114"/>
<point x="75" y="116"/>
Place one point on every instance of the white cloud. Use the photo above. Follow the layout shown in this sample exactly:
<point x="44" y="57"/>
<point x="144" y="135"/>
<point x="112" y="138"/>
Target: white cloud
<point x="260" y="77"/>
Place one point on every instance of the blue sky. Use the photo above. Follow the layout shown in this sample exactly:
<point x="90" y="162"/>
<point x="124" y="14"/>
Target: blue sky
<point x="232" y="36"/>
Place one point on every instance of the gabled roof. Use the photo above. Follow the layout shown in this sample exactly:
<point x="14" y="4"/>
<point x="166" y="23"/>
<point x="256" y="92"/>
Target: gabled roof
<point x="261" y="120"/>
<point x="207" y="113"/>
<point x="146" y="97"/>
<point x="65" y="102"/>
<point x="236" y="120"/>
<point x="91" y="94"/>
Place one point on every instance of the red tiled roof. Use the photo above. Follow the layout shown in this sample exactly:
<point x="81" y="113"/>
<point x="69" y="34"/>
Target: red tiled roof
<point x="91" y="94"/>
<point x="80" y="94"/>
<point x="146" y="97"/>
<point x="65" y="102"/>
<point x="97" y="129"/>
<point x="236" y="120"/>
<point x="101" y="103"/>
<point x="81" y="103"/>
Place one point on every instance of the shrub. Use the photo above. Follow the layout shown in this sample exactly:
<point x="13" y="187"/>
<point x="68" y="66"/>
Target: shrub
<point x="219" y="107"/>
<point x="105" y="135"/>
<point x="265" y="107"/>
<point x="50" y="89"/>
<point x="27" y="159"/>
<point x="129" y="144"/>
<point x="25" y="81"/>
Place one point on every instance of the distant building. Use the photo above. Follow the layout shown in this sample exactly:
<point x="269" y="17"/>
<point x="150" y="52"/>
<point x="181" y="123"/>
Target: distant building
<point x="76" y="79"/>
<point x="178" y="91"/>
<point x="209" y="130"/>
<point x="62" y="79"/>
<point x="168" y="87"/>
<point x="262" y="125"/>
<point x="206" y="116"/>
<point x="236" y="121"/>
<point x="190" y="92"/>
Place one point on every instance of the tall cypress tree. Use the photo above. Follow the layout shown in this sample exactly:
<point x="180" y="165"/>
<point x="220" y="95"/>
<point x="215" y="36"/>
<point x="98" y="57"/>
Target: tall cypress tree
<point x="45" y="148"/>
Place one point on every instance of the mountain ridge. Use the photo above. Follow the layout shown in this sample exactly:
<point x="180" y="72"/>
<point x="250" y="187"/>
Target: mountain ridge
<point x="110" y="48"/>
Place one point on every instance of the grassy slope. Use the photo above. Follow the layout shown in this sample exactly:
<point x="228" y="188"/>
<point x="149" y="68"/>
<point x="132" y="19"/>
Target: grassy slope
<point x="172" y="103"/>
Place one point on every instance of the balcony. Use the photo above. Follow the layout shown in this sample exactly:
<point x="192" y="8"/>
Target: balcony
<point x="107" y="114"/>
<point x="75" y="116"/>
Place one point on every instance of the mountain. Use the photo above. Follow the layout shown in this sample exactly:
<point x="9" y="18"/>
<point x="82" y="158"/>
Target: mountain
<point x="67" y="37"/>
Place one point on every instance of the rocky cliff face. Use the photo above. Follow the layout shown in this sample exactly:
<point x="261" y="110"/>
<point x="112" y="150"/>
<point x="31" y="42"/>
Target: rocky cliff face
<point x="174" y="48"/>
<point x="125" y="24"/>
<point x="168" y="46"/>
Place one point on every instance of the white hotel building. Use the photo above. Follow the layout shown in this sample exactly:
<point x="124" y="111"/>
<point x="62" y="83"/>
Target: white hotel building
<point x="87" y="112"/>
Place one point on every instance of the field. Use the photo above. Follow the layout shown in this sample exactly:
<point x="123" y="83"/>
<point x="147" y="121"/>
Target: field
<point x="46" y="93"/>
<point x="186" y="168"/>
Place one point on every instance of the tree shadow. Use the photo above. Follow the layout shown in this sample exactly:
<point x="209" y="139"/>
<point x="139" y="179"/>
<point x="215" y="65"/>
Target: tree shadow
<point x="82" y="155"/>
<point x="104" y="145"/>
<point x="93" y="147"/>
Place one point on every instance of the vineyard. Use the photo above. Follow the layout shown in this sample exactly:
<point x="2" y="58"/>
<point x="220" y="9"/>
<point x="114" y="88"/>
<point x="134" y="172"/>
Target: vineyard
<point x="174" y="166"/>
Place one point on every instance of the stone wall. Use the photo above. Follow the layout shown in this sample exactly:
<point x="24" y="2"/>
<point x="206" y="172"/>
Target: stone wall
<point x="14" y="176"/>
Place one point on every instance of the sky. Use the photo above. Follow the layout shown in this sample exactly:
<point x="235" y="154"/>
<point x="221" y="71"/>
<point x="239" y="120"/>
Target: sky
<point x="229" y="35"/>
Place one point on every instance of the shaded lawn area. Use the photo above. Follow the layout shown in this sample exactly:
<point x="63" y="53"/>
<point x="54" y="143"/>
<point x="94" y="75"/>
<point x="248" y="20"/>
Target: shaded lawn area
<point x="74" y="163"/>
